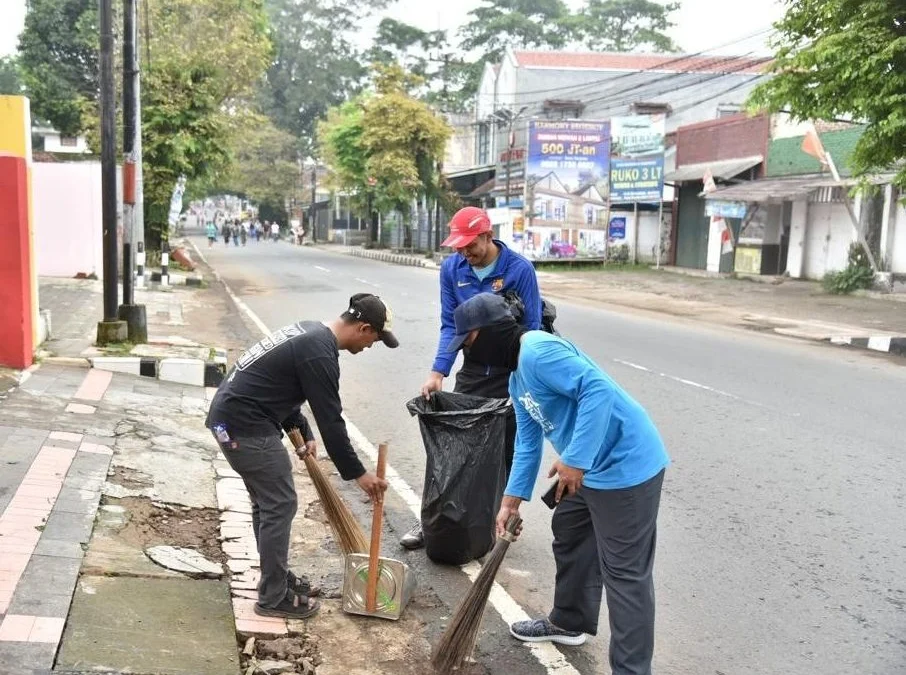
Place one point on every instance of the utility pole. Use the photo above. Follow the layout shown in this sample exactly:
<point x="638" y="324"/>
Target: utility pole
<point x="508" y="117"/>
<point x="314" y="196"/>
<point x="134" y="315"/>
<point x="110" y="329"/>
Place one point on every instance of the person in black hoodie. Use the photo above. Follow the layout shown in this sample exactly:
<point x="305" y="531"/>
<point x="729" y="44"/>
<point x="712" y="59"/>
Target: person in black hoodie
<point x="261" y="396"/>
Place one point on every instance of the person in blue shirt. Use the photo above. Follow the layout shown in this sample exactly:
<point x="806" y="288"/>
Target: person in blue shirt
<point x="482" y="265"/>
<point x="610" y="470"/>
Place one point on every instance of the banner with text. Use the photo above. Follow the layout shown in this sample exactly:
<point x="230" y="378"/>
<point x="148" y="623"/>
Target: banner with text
<point x="637" y="162"/>
<point x="577" y="152"/>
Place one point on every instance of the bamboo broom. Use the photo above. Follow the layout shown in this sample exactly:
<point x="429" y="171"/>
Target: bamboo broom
<point x="458" y="642"/>
<point x="344" y="525"/>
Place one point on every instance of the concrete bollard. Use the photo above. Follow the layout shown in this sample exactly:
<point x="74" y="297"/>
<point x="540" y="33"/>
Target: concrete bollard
<point x="165" y="264"/>
<point x="140" y="265"/>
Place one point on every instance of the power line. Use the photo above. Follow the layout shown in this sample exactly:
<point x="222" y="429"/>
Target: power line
<point x="659" y="66"/>
<point x="635" y="89"/>
<point x="683" y="108"/>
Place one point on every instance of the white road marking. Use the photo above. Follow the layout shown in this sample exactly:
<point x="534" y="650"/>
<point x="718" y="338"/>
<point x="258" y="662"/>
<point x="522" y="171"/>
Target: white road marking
<point x="682" y="380"/>
<point x="366" y="282"/>
<point x="546" y="653"/>
<point x="323" y="269"/>
<point x="633" y="365"/>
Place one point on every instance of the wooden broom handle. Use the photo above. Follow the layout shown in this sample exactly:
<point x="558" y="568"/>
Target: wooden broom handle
<point x="377" y="523"/>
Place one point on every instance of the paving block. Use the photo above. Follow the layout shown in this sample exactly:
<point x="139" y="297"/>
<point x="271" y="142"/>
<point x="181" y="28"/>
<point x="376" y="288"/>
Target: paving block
<point x="131" y="365"/>
<point x="184" y="371"/>
<point x="26" y="657"/>
<point x="57" y="548"/>
<point x="162" y="626"/>
<point x="69" y="526"/>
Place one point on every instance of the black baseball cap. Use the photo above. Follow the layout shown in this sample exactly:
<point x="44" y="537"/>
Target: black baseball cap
<point x="484" y="309"/>
<point x="373" y="311"/>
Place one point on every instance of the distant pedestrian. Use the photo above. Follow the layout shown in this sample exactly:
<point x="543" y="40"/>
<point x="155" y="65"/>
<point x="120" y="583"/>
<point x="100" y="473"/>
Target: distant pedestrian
<point x="244" y="232"/>
<point x="256" y="226"/>
<point x="211" y="231"/>
<point x="226" y="232"/>
<point x="236" y="228"/>
<point x="275" y="231"/>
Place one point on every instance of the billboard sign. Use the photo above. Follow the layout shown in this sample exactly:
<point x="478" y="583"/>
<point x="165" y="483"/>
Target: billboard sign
<point x="510" y="163"/>
<point x="617" y="228"/>
<point x="724" y="209"/>
<point x="637" y="164"/>
<point x="576" y="151"/>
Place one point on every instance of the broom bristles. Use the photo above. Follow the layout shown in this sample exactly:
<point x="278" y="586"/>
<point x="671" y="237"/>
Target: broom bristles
<point x="344" y="525"/>
<point x="458" y="642"/>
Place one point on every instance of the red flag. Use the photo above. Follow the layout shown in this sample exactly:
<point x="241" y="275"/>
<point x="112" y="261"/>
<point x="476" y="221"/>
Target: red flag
<point x="726" y="234"/>
<point x="811" y="145"/>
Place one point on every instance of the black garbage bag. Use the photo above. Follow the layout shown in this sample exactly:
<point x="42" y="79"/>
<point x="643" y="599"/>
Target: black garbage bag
<point x="465" y="474"/>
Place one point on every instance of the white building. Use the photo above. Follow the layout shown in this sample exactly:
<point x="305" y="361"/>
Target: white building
<point x="546" y="85"/>
<point x="51" y="140"/>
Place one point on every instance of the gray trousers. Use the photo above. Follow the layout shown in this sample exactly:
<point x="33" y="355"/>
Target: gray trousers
<point x="267" y="472"/>
<point x="605" y="540"/>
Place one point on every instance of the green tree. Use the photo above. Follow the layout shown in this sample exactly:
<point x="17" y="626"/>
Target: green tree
<point x="206" y="57"/>
<point x="385" y="148"/>
<point x="10" y="77"/>
<point x="58" y="57"/>
<point x="315" y="65"/>
<point x="526" y="24"/>
<point x="416" y="50"/>
<point x="264" y="166"/>
<point x="624" y="25"/>
<point x="519" y="24"/>
<point x="845" y="59"/>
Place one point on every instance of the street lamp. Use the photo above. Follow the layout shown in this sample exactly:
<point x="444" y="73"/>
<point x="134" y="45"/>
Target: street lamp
<point x="507" y="117"/>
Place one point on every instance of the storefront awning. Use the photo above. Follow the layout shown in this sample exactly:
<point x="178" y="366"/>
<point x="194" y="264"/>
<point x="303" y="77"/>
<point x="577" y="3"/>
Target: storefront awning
<point x="482" y="190"/>
<point x="774" y="190"/>
<point x="724" y="169"/>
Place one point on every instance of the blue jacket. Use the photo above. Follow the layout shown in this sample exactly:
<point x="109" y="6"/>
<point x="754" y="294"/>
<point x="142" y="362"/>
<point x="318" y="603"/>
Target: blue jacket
<point x="561" y="394"/>
<point x="458" y="283"/>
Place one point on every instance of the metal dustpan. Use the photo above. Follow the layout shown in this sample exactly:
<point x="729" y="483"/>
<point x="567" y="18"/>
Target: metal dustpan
<point x="372" y="585"/>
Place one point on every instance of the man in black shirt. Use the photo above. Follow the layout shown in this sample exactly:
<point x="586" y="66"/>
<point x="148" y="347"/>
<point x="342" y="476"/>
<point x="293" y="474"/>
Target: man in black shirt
<point x="262" y="395"/>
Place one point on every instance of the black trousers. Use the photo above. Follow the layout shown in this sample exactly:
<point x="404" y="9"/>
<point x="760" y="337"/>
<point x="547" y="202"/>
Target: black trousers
<point x="604" y="540"/>
<point x="265" y="468"/>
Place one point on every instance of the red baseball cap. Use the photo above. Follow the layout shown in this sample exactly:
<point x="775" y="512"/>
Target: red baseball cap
<point x="467" y="224"/>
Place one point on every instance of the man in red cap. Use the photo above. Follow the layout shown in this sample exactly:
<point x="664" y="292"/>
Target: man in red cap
<point x="483" y="265"/>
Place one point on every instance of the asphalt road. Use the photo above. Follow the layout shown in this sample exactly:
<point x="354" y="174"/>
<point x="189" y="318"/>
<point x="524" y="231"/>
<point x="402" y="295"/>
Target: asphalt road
<point x="782" y="546"/>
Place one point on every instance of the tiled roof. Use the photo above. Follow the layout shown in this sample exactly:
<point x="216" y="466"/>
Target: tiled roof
<point x="785" y="156"/>
<point x="676" y="63"/>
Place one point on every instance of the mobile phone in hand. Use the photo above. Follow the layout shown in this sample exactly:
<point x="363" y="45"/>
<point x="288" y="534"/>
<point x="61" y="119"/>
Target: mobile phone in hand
<point x="550" y="496"/>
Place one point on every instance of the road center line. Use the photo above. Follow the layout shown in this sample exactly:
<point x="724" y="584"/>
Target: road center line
<point x="546" y="653"/>
<point x="323" y="269"/>
<point x="698" y="385"/>
<point x="366" y="282"/>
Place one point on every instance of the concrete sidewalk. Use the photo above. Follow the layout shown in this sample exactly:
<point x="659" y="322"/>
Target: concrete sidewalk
<point x="112" y="482"/>
<point x="90" y="468"/>
<point x="792" y="308"/>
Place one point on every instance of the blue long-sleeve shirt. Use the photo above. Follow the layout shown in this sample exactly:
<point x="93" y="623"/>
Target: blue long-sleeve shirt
<point x="458" y="283"/>
<point x="561" y="394"/>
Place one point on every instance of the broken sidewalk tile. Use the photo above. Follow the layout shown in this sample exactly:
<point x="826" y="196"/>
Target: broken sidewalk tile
<point x="270" y="667"/>
<point x="80" y="409"/>
<point x="185" y="560"/>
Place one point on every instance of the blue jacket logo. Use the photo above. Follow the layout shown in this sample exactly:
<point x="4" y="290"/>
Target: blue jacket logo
<point x="531" y="406"/>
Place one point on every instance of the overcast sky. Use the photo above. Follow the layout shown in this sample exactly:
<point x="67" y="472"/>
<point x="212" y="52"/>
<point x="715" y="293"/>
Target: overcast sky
<point x="701" y="24"/>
